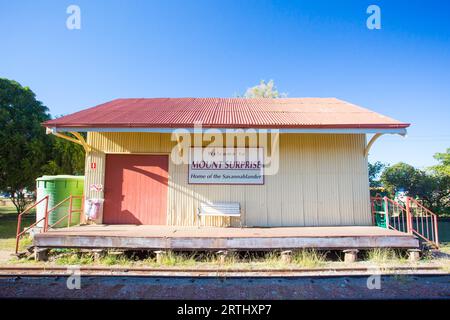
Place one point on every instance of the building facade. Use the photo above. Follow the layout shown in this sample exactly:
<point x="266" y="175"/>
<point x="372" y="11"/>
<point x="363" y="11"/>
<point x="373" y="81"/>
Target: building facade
<point x="321" y="177"/>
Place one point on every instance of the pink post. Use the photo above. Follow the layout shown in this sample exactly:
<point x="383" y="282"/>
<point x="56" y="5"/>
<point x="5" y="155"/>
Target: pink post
<point x="408" y="216"/>
<point x="386" y="211"/>
<point x="69" y="220"/>
<point x="46" y="215"/>
<point x="436" y="231"/>
<point x="19" y="222"/>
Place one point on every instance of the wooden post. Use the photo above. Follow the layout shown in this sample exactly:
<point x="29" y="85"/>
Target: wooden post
<point x="222" y="256"/>
<point x="159" y="255"/>
<point x="40" y="254"/>
<point x="350" y="255"/>
<point x="414" y="255"/>
<point x="286" y="256"/>
<point x="98" y="253"/>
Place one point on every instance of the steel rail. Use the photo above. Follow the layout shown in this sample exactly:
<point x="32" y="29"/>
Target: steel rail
<point x="142" y="271"/>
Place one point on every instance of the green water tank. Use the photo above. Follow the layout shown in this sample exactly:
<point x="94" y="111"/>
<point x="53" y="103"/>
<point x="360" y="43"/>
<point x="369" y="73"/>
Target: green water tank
<point x="59" y="188"/>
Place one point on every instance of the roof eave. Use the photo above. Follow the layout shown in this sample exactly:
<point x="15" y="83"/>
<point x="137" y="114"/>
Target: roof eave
<point x="392" y="129"/>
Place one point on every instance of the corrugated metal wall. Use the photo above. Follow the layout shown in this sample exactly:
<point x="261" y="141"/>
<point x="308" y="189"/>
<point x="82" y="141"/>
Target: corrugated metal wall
<point x="322" y="181"/>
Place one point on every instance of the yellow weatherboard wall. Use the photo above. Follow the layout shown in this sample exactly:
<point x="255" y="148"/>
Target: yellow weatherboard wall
<point x="322" y="181"/>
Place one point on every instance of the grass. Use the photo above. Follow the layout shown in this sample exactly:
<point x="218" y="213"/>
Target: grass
<point x="384" y="256"/>
<point x="445" y="247"/>
<point x="114" y="260"/>
<point x="309" y="258"/>
<point x="172" y="259"/>
<point x="269" y="259"/>
<point x="8" y="227"/>
<point x="303" y="259"/>
<point x="74" y="257"/>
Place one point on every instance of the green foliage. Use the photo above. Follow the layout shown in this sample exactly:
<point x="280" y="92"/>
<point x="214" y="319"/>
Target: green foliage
<point x="177" y="259"/>
<point x="26" y="152"/>
<point x="8" y="227"/>
<point x="74" y="258"/>
<point x="24" y="145"/>
<point x="309" y="258"/>
<point x="264" y="90"/>
<point x="66" y="158"/>
<point x="442" y="180"/>
<point x="444" y="163"/>
<point x="115" y="260"/>
<point x="405" y="176"/>
<point x="385" y="255"/>
<point x="433" y="187"/>
<point x="375" y="171"/>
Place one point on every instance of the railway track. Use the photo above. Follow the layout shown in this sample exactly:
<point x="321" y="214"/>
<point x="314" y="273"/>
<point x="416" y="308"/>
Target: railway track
<point x="228" y="272"/>
<point x="121" y="283"/>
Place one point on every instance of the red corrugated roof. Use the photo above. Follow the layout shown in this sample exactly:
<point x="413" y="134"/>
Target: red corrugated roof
<point x="227" y="113"/>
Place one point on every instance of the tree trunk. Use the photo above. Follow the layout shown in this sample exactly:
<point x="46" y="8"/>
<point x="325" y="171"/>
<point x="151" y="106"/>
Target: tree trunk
<point x="19" y="200"/>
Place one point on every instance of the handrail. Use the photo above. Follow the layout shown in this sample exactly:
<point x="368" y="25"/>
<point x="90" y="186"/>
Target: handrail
<point x="422" y="206"/>
<point x="413" y="217"/>
<point x="394" y="213"/>
<point x="47" y="215"/>
<point x="425" y="225"/>
<point x="19" y="220"/>
<point x="400" y="224"/>
<point x="70" y="211"/>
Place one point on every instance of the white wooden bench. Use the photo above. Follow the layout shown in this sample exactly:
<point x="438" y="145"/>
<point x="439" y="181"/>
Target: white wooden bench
<point x="219" y="209"/>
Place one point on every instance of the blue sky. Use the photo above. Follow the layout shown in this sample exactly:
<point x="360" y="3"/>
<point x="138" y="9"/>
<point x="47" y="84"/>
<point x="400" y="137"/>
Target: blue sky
<point x="219" y="48"/>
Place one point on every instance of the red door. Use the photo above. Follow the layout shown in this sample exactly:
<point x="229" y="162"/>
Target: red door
<point x="135" y="189"/>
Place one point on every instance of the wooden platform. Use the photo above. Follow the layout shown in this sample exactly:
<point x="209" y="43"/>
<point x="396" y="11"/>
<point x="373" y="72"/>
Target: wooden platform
<point x="215" y="238"/>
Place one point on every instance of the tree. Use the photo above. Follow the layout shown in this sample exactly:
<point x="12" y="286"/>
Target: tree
<point x="66" y="158"/>
<point x="444" y="163"/>
<point x="431" y="187"/>
<point x="404" y="176"/>
<point x="440" y="196"/>
<point x="375" y="171"/>
<point x="442" y="176"/>
<point x="24" y="145"/>
<point x="398" y="176"/>
<point x="264" y="90"/>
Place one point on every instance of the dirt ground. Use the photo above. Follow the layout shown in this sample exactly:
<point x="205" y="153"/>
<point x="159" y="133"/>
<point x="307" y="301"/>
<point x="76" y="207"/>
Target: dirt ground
<point x="5" y="256"/>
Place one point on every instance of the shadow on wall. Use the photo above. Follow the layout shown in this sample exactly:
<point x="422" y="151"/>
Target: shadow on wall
<point x="152" y="175"/>
<point x="130" y="217"/>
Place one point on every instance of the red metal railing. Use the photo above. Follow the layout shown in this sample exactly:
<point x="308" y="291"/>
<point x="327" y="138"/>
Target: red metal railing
<point x="389" y="214"/>
<point x="423" y="222"/>
<point x="47" y="213"/>
<point x="68" y="215"/>
<point x="412" y="218"/>
<point x="19" y="220"/>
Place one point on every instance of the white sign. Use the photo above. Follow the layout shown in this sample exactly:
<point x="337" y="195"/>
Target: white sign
<point x="226" y="166"/>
